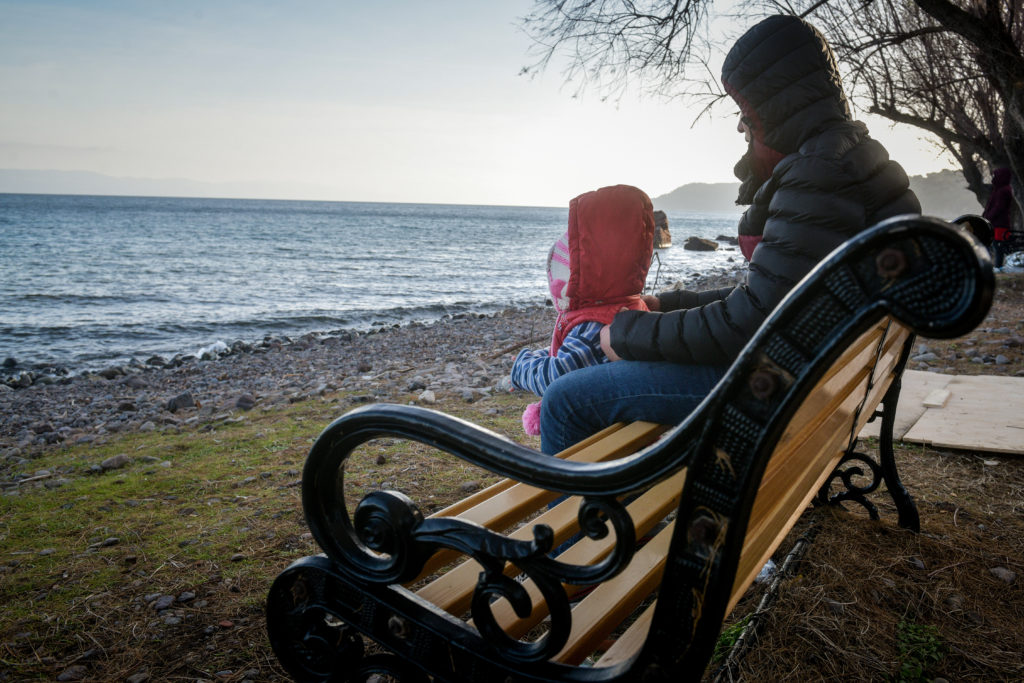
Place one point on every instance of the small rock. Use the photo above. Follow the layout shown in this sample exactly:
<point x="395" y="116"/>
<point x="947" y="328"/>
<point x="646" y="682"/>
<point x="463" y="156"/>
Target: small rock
<point x="363" y="366"/>
<point x="75" y="672"/>
<point x="187" y="596"/>
<point x="10" y="362"/>
<point x="115" y="462"/>
<point x="163" y="602"/>
<point x="1003" y="574"/>
<point x="126" y="407"/>
<point x="245" y="402"/>
<point x="140" y="677"/>
<point x="427" y="397"/>
<point x="381" y="459"/>
<point x="134" y="382"/>
<point x="237" y="557"/>
<point x="183" y="400"/>
<point x="111" y="372"/>
<point x="954" y="602"/>
<point x="469" y="486"/>
<point x="42" y="427"/>
<point x="916" y="563"/>
<point x="1002" y="360"/>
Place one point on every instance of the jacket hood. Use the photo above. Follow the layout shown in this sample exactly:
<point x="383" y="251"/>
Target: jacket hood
<point x="785" y="79"/>
<point x="610" y="240"/>
<point x="1001" y="176"/>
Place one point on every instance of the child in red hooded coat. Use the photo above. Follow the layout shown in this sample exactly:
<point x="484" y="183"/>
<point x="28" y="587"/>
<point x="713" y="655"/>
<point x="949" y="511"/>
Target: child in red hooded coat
<point x="596" y="269"/>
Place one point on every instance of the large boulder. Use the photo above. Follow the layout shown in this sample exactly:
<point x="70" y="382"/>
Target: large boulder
<point x="700" y="244"/>
<point x="662" y="236"/>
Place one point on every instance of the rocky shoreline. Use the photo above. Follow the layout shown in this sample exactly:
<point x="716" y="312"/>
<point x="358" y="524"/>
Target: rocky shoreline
<point x="465" y="355"/>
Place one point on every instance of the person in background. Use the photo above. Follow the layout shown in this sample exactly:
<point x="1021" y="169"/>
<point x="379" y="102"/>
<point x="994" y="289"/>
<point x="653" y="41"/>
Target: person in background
<point x="597" y="268"/>
<point x="998" y="212"/>
<point x="812" y="178"/>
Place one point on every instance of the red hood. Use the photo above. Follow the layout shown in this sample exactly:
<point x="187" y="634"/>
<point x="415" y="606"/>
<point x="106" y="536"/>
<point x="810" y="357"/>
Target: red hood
<point x="611" y="237"/>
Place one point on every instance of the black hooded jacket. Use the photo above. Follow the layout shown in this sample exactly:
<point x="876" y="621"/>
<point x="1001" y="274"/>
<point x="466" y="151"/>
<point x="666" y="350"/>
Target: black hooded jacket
<point x="813" y="178"/>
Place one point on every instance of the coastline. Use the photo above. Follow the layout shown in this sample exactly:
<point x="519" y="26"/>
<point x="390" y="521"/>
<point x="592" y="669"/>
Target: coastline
<point x="463" y="356"/>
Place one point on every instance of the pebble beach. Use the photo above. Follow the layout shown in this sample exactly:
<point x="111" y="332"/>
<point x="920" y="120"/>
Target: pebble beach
<point x="465" y="356"/>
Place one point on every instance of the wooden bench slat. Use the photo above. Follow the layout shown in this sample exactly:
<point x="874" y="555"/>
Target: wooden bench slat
<point x="474" y="499"/>
<point x="597" y="615"/>
<point x="646" y="511"/>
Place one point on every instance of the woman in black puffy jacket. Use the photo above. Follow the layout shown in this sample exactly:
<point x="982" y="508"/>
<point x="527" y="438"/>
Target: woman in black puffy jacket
<point x="812" y="178"/>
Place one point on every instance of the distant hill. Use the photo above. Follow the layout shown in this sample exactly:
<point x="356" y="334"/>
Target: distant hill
<point x="942" y="194"/>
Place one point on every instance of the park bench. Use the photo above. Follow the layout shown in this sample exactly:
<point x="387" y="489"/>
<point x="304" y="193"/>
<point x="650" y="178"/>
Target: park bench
<point x="677" y="521"/>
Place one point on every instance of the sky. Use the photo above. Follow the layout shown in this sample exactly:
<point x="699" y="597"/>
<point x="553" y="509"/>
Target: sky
<point x="391" y="101"/>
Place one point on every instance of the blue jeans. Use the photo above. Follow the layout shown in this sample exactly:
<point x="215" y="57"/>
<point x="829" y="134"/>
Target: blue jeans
<point x="585" y="401"/>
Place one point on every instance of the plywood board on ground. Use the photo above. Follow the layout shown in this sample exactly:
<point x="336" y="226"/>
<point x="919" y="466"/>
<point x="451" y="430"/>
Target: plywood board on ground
<point x="917" y="387"/>
<point x="983" y="413"/>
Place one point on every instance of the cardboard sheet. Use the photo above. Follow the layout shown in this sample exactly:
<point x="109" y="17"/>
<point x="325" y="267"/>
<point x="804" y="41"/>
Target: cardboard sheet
<point x="979" y="413"/>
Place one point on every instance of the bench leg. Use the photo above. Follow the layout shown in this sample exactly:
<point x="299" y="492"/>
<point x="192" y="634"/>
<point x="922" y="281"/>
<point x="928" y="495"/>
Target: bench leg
<point x="853" y="467"/>
<point x="905" y="506"/>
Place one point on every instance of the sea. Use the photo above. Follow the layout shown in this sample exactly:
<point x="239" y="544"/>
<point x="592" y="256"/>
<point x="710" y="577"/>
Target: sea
<point x="87" y="282"/>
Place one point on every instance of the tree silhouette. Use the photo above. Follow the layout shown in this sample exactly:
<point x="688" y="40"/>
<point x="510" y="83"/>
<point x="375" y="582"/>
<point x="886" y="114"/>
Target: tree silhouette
<point x="952" y="68"/>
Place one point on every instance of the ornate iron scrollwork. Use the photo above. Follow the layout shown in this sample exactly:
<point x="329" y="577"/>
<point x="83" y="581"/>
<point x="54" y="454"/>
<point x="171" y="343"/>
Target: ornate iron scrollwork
<point x="391" y="541"/>
<point x="850" y="471"/>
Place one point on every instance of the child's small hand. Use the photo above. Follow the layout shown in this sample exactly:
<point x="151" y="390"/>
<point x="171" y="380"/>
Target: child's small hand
<point x="652" y="302"/>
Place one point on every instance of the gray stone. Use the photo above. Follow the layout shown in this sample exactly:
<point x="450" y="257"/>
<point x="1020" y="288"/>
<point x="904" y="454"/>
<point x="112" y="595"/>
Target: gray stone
<point x="75" y="672"/>
<point x="427" y="396"/>
<point x="1003" y="574"/>
<point x="163" y="602"/>
<point x="245" y="402"/>
<point x="111" y="372"/>
<point x="115" y="462"/>
<point x="183" y="400"/>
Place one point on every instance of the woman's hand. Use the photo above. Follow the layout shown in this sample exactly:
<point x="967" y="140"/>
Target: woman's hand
<point x="606" y="343"/>
<point x="652" y="302"/>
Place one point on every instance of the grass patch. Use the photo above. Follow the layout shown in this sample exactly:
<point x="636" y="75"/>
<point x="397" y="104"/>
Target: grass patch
<point x="208" y="516"/>
<point x="920" y="648"/>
